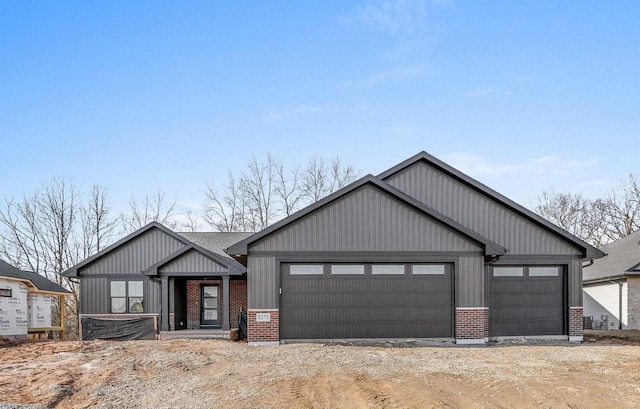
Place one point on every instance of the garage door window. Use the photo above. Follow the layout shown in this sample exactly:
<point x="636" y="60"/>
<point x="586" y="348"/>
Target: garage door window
<point x="305" y="269"/>
<point x="428" y="269"/>
<point x="347" y="269"/>
<point x="544" y="271"/>
<point x="387" y="269"/>
<point x="508" y="271"/>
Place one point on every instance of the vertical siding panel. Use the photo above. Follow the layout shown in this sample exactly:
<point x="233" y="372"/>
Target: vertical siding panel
<point x="138" y="254"/>
<point x="478" y="212"/>
<point x="366" y="220"/>
<point x="262" y="287"/>
<point x="575" y="283"/>
<point x="193" y="262"/>
<point x="471" y="281"/>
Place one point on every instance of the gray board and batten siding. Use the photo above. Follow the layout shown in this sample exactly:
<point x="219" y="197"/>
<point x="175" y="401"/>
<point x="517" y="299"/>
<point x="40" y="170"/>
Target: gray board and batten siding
<point x="443" y="187"/>
<point x="366" y="220"/>
<point x="136" y="255"/>
<point x="95" y="294"/>
<point x="193" y="262"/>
<point x="128" y="258"/>
<point x="125" y="262"/>
<point x="479" y="212"/>
<point x="365" y="225"/>
<point x="526" y="240"/>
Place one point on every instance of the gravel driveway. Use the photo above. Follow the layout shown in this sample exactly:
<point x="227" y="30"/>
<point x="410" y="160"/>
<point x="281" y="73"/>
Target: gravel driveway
<point x="208" y="373"/>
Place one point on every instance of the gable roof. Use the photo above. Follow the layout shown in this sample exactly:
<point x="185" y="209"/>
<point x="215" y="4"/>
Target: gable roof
<point x="623" y="259"/>
<point x="232" y="265"/>
<point x="216" y="242"/>
<point x="39" y="282"/>
<point x="491" y="248"/>
<point x="73" y="271"/>
<point x="588" y="250"/>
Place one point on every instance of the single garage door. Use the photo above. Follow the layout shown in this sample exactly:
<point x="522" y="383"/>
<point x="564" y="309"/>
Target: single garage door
<point x="527" y="300"/>
<point x="333" y="301"/>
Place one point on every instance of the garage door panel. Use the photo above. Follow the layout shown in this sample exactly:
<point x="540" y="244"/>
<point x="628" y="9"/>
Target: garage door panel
<point x="526" y="306"/>
<point x="366" y="306"/>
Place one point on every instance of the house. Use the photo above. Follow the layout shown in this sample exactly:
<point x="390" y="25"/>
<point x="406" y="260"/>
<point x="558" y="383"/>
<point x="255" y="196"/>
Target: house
<point x="420" y="251"/>
<point x="611" y="286"/>
<point x="157" y="278"/>
<point x="26" y="301"/>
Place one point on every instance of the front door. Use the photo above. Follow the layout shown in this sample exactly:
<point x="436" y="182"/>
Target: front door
<point x="210" y="306"/>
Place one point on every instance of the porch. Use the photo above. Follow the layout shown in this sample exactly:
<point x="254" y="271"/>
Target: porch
<point x="209" y="304"/>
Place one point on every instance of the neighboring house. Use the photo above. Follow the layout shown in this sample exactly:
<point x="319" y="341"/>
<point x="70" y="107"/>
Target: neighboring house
<point x="184" y="280"/>
<point x="25" y="302"/>
<point x="419" y="251"/>
<point x="611" y="286"/>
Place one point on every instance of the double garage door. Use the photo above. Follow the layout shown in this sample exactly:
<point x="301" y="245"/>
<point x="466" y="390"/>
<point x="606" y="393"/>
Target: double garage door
<point x="333" y="301"/>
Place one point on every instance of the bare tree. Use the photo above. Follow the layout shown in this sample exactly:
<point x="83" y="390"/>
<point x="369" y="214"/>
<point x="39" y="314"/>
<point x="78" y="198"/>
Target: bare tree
<point x="226" y="211"/>
<point x="268" y="190"/>
<point x="315" y="183"/>
<point x="289" y="189"/>
<point x="622" y="209"/>
<point x="598" y="221"/>
<point x="97" y="227"/>
<point x="152" y="208"/>
<point x="574" y="213"/>
<point x="259" y="187"/>
<point x="319" y="180"/>
<point x="341" y="175"/>
<point x="190" y="222"/>
<point x="52" y="230"/>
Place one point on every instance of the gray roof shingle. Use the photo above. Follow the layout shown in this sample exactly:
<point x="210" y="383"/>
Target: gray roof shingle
<point x="216" y="242"/>
<point x="40" y="282"/>
<point x="623" y="255"/>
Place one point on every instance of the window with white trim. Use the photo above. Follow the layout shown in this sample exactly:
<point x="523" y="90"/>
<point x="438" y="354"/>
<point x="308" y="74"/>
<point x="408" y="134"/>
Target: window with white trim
<point x="127" y="297"/>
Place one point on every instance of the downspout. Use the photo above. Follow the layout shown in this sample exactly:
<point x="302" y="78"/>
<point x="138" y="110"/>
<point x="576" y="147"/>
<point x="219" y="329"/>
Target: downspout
<point x="620" y="285"/>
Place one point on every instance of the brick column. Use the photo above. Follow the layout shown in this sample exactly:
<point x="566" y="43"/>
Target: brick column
<point x="472" y="325"/>
<point x="576" y="324"/>
<point x="238" y="300"/>
<point x="263" y="327"/>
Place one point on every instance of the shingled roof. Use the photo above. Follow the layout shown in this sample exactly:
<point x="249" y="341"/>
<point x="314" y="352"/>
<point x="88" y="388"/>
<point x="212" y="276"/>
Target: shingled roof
<point x="623" y="258"/>
<point x="216" y="242"/>
<point x="38" y="281"/>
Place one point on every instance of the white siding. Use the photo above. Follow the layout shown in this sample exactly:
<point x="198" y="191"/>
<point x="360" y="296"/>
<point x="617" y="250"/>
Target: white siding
<point x="604" y="300"/>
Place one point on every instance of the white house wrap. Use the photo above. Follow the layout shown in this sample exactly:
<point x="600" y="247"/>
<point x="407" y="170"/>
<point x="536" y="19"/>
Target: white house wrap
<point x="13" y="308"/>
<point x="39" y="310"/>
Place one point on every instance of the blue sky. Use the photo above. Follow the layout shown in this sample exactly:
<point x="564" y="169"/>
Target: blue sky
<point x="140" y="96"/>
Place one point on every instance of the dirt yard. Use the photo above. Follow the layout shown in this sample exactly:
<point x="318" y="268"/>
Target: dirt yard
<point x="205" y="374"/>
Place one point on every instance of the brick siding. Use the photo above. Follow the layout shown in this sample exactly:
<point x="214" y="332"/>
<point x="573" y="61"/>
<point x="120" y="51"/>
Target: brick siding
<point x="238" y="300"/>
<point x="575" y="322"/>
<point x="472" y="323"/>
<point x="193" y="301"/>
<point x="263" y="331"/>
